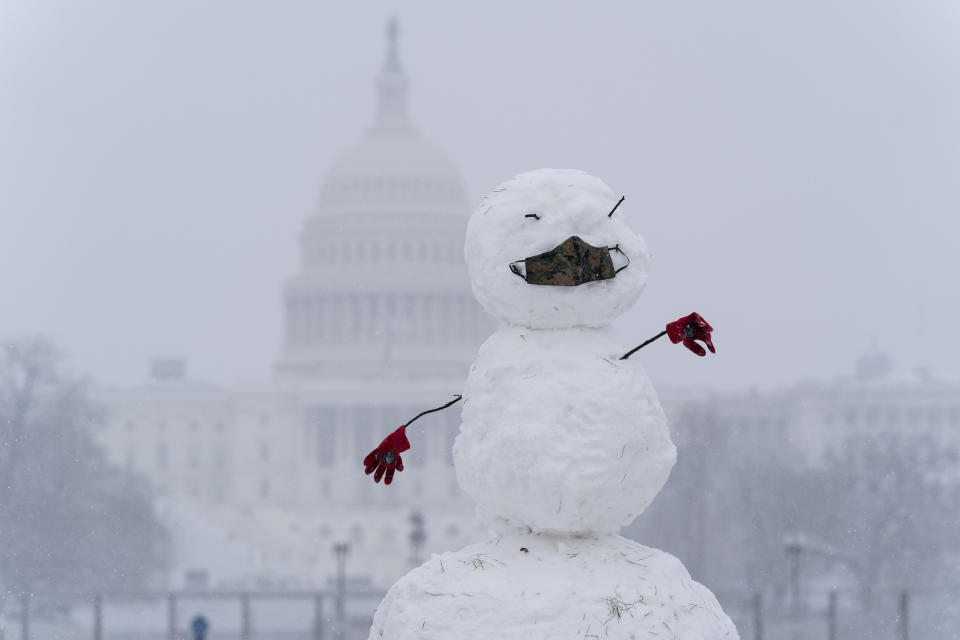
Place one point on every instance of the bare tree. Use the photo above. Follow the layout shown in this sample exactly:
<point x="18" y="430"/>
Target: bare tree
<point x="729" y="504"/>
<point x="893" y="509"/>
<point x="68" y="519"/>
<point x="879" y="511"/>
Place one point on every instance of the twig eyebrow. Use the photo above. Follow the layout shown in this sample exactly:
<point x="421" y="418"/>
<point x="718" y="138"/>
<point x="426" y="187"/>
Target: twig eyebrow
<point x="532" y="215"/>
<point x="622" y="198"/>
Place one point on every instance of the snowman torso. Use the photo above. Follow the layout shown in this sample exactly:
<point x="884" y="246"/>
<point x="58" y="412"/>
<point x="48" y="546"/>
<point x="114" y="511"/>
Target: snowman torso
<point x="558" y="434"/>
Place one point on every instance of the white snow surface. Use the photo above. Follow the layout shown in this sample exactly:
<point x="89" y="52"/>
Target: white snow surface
<point x="560" y="588"/>
<point x="559" y="435"/>
<point x="569" y="203"/>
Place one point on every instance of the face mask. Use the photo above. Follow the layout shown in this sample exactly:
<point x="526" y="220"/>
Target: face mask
<point x="571" y="263"/>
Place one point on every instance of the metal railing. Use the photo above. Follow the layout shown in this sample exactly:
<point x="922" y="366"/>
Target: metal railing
<point x="915" y="614"/>
<point x="293" y="615"/>
<point x="907" y="614"/>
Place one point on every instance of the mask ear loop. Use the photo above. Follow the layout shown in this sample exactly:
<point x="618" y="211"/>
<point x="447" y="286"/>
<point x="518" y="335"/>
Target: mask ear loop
<point x="620" y="251"/>
<point x="516" y="269"/>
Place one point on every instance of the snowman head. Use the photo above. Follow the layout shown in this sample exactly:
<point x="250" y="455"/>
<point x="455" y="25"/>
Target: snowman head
<point x="544" y="252"/>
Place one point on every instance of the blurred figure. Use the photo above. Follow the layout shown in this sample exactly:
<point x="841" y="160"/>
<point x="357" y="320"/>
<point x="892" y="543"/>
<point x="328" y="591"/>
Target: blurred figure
<point x="199" y="626"/>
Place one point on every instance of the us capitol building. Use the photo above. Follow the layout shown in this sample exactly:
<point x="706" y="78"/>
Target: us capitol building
<point x="257" y="484"/>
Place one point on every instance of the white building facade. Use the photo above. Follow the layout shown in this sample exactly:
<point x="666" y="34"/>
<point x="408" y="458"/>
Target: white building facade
<point x="380" y="325"/>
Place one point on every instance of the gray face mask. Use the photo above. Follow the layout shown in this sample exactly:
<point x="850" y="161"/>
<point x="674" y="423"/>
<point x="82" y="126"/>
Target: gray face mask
<point x="569" y="264"/>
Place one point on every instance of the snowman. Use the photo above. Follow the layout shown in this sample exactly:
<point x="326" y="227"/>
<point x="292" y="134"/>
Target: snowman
<point x="563" y="440"/>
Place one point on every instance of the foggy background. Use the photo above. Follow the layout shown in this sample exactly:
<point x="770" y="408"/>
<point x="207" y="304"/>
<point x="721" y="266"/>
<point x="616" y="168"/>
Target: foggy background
<point x="792" y="165"/>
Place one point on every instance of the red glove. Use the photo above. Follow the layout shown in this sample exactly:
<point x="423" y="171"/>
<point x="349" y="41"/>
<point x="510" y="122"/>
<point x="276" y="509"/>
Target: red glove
<point x="690" y="328"/>
<point x="386" y="457"/>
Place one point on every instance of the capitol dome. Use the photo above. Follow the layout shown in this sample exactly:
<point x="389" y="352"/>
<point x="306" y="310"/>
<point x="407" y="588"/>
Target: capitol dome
<point x="393" y="168"/>
<point x="392" y="171"/>
<point x="382" y="287"/>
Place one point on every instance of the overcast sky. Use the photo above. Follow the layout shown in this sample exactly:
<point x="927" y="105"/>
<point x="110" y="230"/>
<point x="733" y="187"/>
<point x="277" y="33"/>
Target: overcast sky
<point x="794" y="167"/>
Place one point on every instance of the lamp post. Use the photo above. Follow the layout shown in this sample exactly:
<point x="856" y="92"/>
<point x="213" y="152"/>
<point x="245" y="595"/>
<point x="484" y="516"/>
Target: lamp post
<point x="340" y="550"/>
<point x="794" y="546"/>
<point x="417" y="537"/>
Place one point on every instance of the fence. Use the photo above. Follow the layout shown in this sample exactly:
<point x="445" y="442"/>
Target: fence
<point x="262" y="615"/>
<point x="322" y="615"/>
<point x="915" y="614"/>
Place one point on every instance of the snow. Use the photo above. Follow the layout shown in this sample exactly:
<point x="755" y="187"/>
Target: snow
<point x="561" y="444"/>
<point x="559" y="435"/>
<point x="561" y="587"/>
<point x="569" y="203"/>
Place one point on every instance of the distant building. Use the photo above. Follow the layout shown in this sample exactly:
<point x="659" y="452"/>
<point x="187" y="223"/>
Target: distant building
<point x="815" y="416"/>
<point x="259" y="482"/>
<point x="380" y="324"/>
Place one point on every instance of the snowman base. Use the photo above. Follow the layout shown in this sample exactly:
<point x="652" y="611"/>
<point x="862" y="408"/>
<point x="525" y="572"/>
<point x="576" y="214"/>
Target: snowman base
<point x="531" y="587"/>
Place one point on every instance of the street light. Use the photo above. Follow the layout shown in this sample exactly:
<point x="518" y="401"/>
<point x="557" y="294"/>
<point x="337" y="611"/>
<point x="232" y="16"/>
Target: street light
<point x="794" y="545"/>
<point x="417" y="537"/>
<point x="340" y="550"/>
